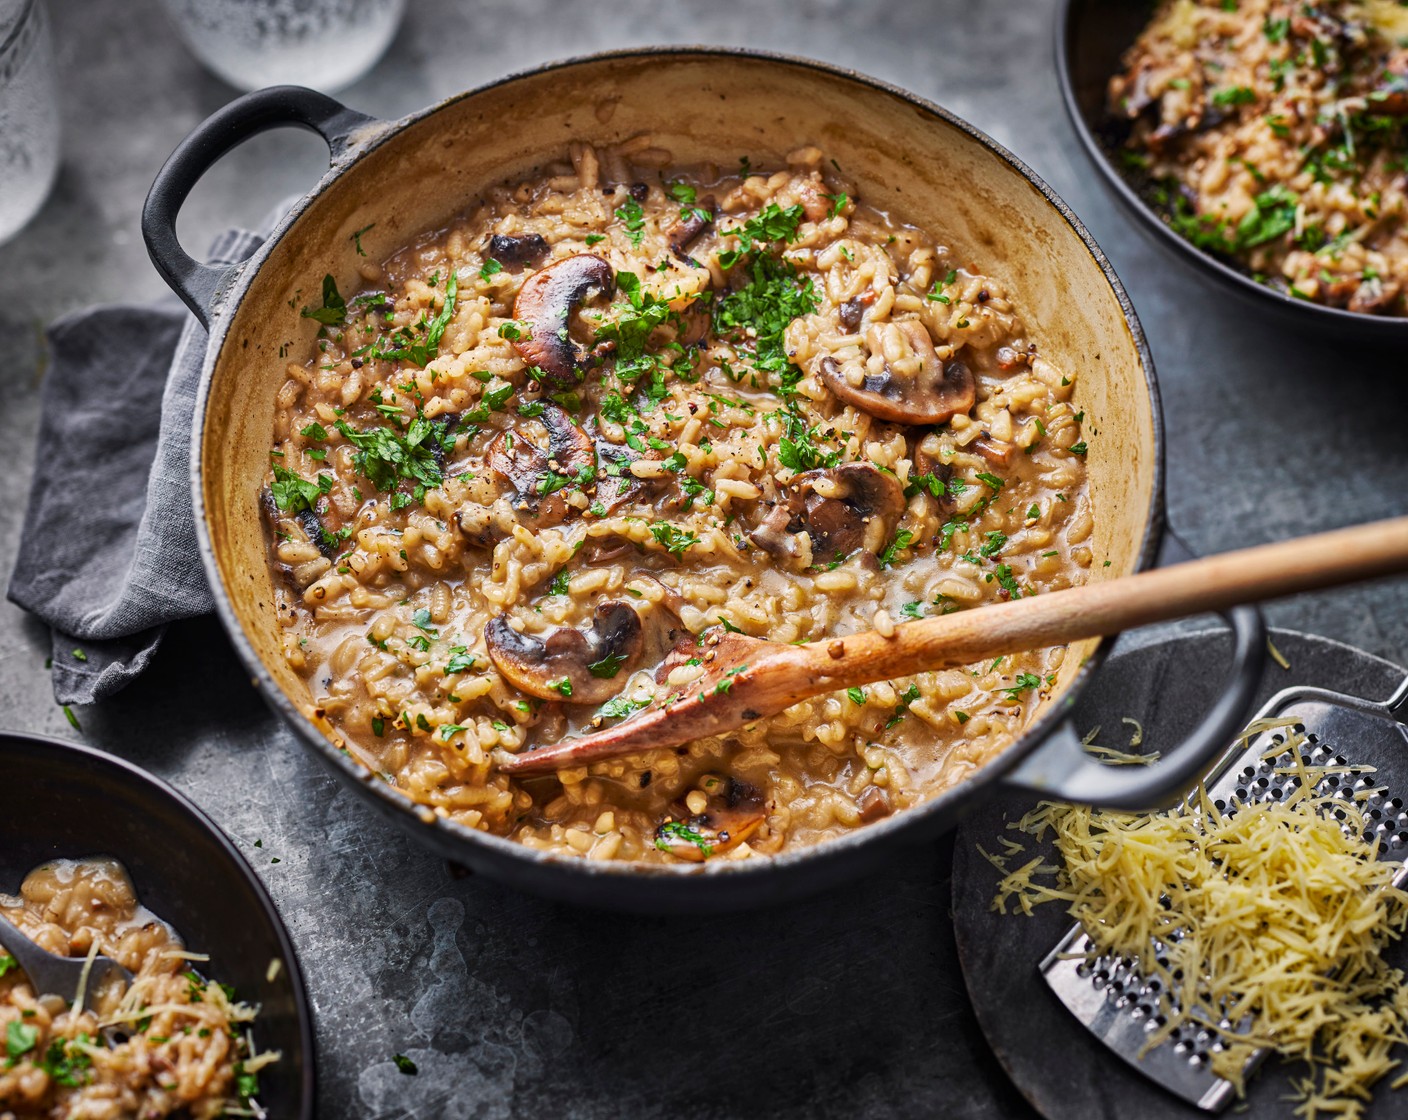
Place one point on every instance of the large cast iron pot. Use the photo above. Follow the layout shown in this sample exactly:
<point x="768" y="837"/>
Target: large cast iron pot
<point x="905" y="154"/>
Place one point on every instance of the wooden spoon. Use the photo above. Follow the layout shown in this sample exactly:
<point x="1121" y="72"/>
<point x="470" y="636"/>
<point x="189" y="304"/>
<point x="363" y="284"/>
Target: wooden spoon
<point x="748" y="679"/>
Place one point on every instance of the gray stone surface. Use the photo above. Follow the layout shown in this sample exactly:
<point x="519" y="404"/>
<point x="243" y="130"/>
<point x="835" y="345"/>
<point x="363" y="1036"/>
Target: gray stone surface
<point x="851" y="1004"/>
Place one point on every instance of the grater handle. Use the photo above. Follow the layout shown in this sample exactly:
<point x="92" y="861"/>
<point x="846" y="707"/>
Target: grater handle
<point x="1062" y="769"/>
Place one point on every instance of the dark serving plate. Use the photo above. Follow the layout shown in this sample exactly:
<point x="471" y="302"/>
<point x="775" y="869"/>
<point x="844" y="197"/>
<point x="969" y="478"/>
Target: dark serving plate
<point x="60" y="800"/>
<point x="1091" y="35"/>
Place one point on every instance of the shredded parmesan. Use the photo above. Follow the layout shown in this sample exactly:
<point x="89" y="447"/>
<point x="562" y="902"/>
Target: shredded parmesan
<point x="1276" y="655"/>
<point x="182" y="955"/>
<point x="83" y="975"/>
<point x="1271" y="919"/>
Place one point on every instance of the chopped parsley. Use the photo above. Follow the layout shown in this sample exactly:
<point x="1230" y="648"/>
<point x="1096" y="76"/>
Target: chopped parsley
<point x="993" y="545"/>
<point x="405" y="1065"/>
<point x="386" y="456"/>
<point x="906" y="698"/>
<point x="461" y="660"/>
<point x="357" y="239"/>
<point x="772" y="224"/>
<point x="560" y="582"/>
<point x="1235" y="95"/>
<point x="67" y="1062"/>
<point x="630" y="330"/>
<point x="857" y="695"/>
<point x="1007" y="581"/>
<point x="1025" y="683"/>
<point x="797" y="450"/>
<point x="292" y="493"/>
<point x="899" y="544"/>
<point x="681" y="831"/>
<point x="755" y="317"/>
<point x="633" y="218"/>
<point x="405" y="347"/>
<point x="20" y="1039"/>
<point x="607" y="667"/>
<point x="674" y="540"/>
<point x="618" y="707"/>
<point x="333" y="313"/>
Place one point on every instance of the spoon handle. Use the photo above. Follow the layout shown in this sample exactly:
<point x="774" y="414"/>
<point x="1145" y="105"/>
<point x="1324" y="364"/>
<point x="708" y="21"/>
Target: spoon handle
<point x="1108" y="606"/>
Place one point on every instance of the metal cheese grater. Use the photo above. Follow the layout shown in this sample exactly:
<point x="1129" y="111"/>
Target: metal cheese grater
<point x="1113" y="999"/>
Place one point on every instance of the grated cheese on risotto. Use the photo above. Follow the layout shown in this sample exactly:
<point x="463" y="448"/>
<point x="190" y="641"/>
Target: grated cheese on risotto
<point x="171" y="1043"/>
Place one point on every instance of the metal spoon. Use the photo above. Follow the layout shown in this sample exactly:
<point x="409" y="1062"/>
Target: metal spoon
<point x="747" y="679"/>
<point x="51" y="974"/>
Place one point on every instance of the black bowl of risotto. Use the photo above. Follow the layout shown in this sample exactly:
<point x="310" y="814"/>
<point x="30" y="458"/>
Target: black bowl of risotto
<point x="1263" y="143"/>
<point x="543" y="382"/>
<point x="98" y="857"/>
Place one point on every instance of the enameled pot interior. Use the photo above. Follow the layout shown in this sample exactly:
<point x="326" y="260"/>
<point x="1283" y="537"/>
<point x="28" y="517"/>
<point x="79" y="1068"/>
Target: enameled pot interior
<point x="703" y="107"/>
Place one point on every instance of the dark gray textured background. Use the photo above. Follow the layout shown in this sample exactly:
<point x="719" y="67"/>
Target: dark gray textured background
<point x="849" y="1005"/>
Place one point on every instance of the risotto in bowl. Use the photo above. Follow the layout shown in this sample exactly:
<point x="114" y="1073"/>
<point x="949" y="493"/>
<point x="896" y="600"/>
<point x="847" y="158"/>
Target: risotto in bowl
<point x="542" y="384"/>
<point x="1263" y="141"/>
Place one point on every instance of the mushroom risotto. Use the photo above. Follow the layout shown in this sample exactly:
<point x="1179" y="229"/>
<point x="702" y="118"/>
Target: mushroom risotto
<point x="1273" y="133"/>
<point x="167" y="1043"/>
<point x="617" y="403"/>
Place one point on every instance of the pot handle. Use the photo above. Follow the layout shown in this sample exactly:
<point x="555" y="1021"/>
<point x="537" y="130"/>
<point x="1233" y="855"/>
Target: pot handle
<point x="1061" y="768"/>
<point x="201" y="285"/>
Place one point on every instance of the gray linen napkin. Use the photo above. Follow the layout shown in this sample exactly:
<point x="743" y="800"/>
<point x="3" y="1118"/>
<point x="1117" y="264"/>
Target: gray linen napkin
<point x="107" y="554"/>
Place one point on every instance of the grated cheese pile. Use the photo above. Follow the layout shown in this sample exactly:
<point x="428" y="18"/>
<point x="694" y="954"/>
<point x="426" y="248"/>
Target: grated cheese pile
<point x="1272" y="920"/>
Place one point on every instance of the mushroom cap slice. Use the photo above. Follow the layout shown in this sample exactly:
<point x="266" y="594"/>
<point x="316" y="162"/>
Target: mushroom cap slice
<point x="842" y="508"/>
<point x="933" y="395"/>
<point x="735" y="811"/>
<point x="568" y="664"/>
<point x="699" y="217"/>
<point x="526" y="466"/>
<point x="546" y="302"/>
<point x="854" y="505"/>
<point x="774" y="534"/>
<point x="515" y="252"/>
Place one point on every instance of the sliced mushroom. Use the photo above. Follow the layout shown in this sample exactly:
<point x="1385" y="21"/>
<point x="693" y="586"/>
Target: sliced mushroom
<point x="615" y="484"/>
<point x="530" y="470"/>
<point x="775" y="534"/>
<point x="1391" y="97"/>
<point x="927" y="465"/>
<point x="569" y="665"/>
<point x="874" y="803"/>
<point x="546" y="302"/>
<point x="684" y="232"/>
<point x="917" y="389"/>
<point x="443" y="428"/>
<point x="853" y="309"/>
<point x="1376" y="297"/>
<point x="483" y="525"/>
<point x="322" y="524"/>
<point x="851" y="506"/>
<point x="515" y="252"/>
<point x="841" y="509"/>
<point x="734" y="811"/>
<point x="998" y="452"/>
